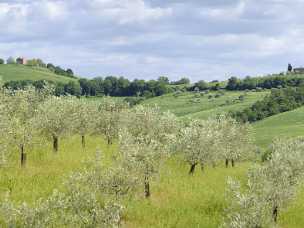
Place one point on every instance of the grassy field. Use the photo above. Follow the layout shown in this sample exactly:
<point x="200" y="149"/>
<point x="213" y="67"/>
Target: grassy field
<point x="19" y="72"/>
<point x="194" y="105"/>
<point x="178" y="200"/>
<point x="288" y="124"/>
<point x="284" y="125"/>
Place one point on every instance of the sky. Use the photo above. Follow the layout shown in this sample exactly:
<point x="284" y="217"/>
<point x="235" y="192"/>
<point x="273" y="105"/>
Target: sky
<point x="200" y="39"/>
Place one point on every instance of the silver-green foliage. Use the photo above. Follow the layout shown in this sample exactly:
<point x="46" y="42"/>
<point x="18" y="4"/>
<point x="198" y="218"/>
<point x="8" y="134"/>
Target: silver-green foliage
<point x="145" y="142"/>
<point x="208" y="141"/>
<point x="55" y="119"/>
<point x="18" y="111"/>
<point x="269" y="189"/>
<point x="93" y="198"/>
<point x="109" y="118"/>
<point x="235" y="141"/>
<point x="199" y="142"/>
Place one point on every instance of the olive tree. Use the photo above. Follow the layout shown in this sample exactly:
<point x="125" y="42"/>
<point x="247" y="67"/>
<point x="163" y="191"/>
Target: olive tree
<point x="84" y="113"/>
<point x="55" y="118"/>
<point x="152" y="123"/>
<point x="108" y="119"/>
<point x="21" y="108"/>
<point x="143" y="156"/>
<point x="198" y="143"/>
<point x="4" y="139"/>
<point x="146" y="141"/>
<point x="270" y="187"/>
<point x="235" y="141"/>
<point x="79" y="206"/>
<point x="93" y="197"/>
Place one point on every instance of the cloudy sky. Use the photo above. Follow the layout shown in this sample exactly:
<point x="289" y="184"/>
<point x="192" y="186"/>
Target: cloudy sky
<point x="201" y="39"/>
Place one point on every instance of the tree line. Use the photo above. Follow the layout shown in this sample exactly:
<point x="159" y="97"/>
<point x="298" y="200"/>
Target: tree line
<point x="108" y="86"/>
<point x="250" y="83"/>
<point x="279" y="100"/>
<point x="269" y="82"/>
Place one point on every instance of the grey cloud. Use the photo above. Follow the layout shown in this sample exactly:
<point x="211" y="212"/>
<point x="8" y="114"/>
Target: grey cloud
<point x="210" y="39"/>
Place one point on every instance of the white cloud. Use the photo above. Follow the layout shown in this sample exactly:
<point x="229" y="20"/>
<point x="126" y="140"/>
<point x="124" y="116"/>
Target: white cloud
<point x="128" y="11"/>
<point x="224" y="13"/>
<point x="200" y="39"/>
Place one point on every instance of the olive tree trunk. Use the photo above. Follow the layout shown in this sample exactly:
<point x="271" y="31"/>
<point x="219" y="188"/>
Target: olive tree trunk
<point x="275" y="214"/>
<point x="23" y="156"/>
<point x="147" y="187"/>
<point x="227" y="163"/>
<point x="192" y="169"/>
<point x="202" y="166"/>
<point x="109" y="140"/>
<point x="83" y="141"/>
<point x="55" y="143"/>
<point x="232" y="163"/>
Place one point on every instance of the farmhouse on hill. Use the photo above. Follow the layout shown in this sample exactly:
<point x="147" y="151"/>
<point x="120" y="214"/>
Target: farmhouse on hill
<point x="21" y="61"/>
<point x="299" y="70"/>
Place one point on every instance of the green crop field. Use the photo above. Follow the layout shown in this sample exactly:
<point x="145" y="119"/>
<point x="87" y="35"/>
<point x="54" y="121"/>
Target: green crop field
<point x="13" y="72"/>
<point x="195" y="105"/>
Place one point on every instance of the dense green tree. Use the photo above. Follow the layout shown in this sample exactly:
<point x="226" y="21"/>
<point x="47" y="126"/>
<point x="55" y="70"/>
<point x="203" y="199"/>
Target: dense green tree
<point x="70" y="72"/>
<point x="72" y="88"/>
<point x="280" y="100"/>
<point x="233" y="83"/>
<point x="289" y="68"/>
<point x="163" y="79"/>
<point x="50" y="66"/>
<point x="181" y="81"/>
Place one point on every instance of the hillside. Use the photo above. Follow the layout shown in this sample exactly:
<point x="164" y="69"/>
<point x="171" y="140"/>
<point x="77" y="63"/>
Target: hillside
<point x="188" y="105"/>
<point x="20" y="72"/>
<point x="202" y="106"/>
<point x="288" y="124"/>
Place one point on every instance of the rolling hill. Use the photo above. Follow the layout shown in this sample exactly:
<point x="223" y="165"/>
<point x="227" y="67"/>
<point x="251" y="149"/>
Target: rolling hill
<point x="287" y="124"/>
<point x="203" y="106"/>
<point x="189" y="105"/>
<point x="20" y="72"/>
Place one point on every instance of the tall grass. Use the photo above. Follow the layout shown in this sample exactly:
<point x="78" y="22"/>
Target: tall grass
<point x="177" y="200"/>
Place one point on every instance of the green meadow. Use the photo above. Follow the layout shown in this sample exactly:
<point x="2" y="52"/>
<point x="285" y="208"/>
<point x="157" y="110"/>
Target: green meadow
<point x="284" y="125"/>
<point x="203" y="106"/>
<point x="14" y="72"/>
<point x="177" y="200"/>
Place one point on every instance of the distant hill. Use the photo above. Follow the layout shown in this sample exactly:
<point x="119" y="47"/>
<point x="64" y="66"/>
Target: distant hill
<point x="287" y="124"/>
<point x="14" y="72"/>
<point x="205" y="105"/>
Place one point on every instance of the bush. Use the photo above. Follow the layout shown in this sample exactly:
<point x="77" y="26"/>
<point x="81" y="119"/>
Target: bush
<point x="280" y="100"/>
<point x="134" y="100"/>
